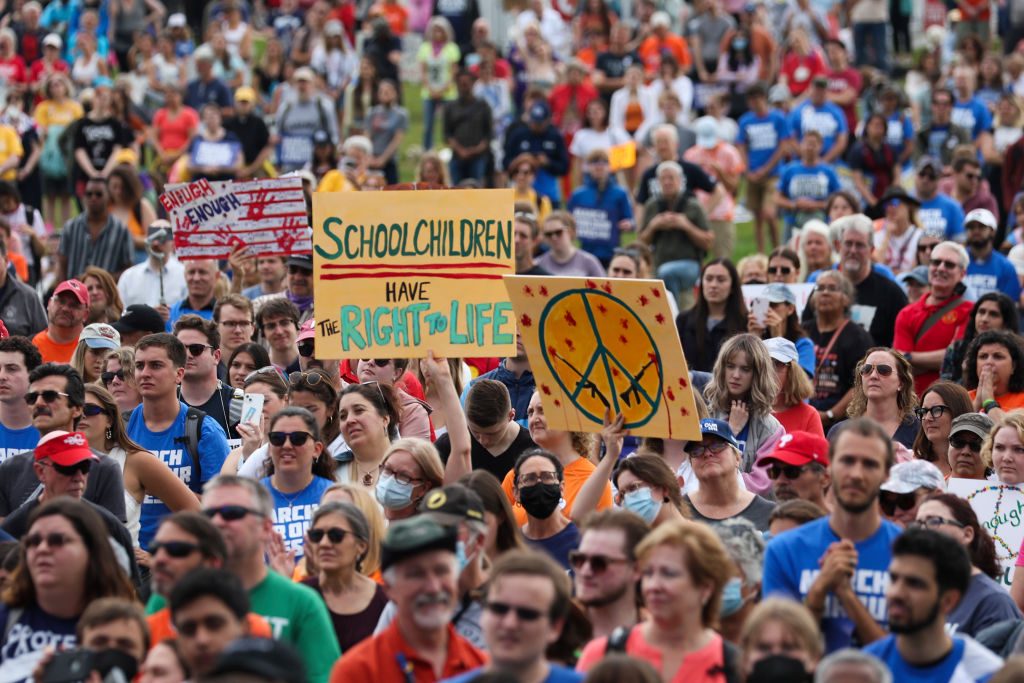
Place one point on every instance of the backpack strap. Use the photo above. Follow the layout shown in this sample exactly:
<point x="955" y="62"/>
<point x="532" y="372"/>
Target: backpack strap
<point x="730" y="662"/>
<point x="935" y="317"/>
<point x="617" y="640"/>
<point x="193" y="426"/>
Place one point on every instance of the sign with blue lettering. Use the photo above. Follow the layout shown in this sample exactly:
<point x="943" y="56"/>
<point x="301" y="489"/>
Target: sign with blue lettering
<point x="1000" y="510"/>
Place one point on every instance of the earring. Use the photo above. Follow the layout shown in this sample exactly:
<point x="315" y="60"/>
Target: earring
<point x="109" y="434"/>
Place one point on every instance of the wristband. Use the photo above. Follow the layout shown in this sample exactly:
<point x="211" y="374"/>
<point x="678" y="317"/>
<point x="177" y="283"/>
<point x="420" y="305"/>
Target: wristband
<point x="989" y="404"/>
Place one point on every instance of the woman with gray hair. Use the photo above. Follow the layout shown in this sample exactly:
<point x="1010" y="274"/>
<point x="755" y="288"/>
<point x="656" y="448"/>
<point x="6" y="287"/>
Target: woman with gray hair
<point x="849" y="664"/>
<point x="341" y="535"/>
<point x="742" y="592"/>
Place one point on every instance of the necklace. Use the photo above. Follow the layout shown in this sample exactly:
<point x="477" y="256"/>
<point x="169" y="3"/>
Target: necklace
<point x="367" y="478"/>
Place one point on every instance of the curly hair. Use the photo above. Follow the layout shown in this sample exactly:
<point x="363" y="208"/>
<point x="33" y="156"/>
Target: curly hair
<point x="982" y="548"/>
<point x="1014" y="420"/>
<point x="764" y="386"/>
<point x="956" y="398"/>
<point x="906" y="399"/>
<point x="1011" y="342"/>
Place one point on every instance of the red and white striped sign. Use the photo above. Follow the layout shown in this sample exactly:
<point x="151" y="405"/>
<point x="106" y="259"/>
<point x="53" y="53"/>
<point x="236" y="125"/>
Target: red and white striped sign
<point x="211" y="219"/>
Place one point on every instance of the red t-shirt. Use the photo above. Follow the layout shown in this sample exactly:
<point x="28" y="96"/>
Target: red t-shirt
<point x="800" y="70"/>
<point x="13" y="70"/>
<point x="175" y="132"/>
<point x="801" y="417"/>
<point x="838" y="81"/>
<point x="943" y="333"/>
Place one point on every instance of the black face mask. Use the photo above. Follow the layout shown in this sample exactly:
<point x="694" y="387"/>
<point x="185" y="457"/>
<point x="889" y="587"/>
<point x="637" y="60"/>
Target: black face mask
<point x="540" y="500"/>
<point x="779" y="668"/>
<point x="114" y="666"/>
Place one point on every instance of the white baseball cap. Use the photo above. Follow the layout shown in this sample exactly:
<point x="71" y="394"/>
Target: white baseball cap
<point x="983" y="216"/>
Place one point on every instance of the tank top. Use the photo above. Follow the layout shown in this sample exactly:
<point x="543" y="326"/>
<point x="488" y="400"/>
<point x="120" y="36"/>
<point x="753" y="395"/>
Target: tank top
<point x="132" y="507"/>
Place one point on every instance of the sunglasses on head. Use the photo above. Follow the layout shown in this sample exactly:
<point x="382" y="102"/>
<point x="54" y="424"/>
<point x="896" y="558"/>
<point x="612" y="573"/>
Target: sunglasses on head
<point x="500" y="609"/>
<point x="54" y="540"/>
<point x="970" y="444"/>
<point x="231" y="513"/>
<point x="883" y="369"/>
<point x="306" y="349"/>
<point x="92" y="410"/>
<point x="891" y="501"/>
<point x="598" y="563"/>
<point x="265" y="370"/>
<point x="334" y="534"/>
<point x="297" y="438"/>
<point x="788" y="471"/>
<point x="176" y="549"/>
<point x="49" y="396"/>
<point x="935" y="412"/>
<point x="311" y="379"/>
<point x="71" y="470"/>
<point x="108" y="377"/>
<point x="196" y="350"/>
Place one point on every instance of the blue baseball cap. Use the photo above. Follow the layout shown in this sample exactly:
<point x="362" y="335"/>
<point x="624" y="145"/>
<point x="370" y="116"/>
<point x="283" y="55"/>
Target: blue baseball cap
<point x="719" y="428"/>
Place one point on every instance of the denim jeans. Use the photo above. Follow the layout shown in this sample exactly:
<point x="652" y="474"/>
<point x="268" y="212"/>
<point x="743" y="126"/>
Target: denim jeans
<point x="473" y="167"/>
<point x="679" y="275"/>
<point x="871" y="40"/>
<point x="431" y="109"/>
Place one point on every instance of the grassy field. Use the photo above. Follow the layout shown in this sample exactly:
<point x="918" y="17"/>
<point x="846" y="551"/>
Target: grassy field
<point x="414" y="141"/>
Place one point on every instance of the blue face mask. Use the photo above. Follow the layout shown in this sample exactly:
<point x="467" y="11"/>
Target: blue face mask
<point x="641" y="502"/>
<point x="393" y="495"/>
<point x="732" y="597"/>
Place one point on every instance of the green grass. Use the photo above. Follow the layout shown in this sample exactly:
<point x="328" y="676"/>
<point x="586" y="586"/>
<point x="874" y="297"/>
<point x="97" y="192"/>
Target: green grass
<point x="745" y="243"/>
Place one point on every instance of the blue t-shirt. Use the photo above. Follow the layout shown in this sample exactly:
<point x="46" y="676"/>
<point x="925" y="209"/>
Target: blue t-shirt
<point x="791" y="566"/>
<point x="293" y="514"/>
<point x="556" y="674"/>
<point x="808" y="182"/>
<point x="828" y="119"/>
<point x="967" y="661"/>
<point x="762" y="135"/>
<point x="972" y="116"/>
<point x="169" y="446"/>
<point x="182" y="308"/>
<point x="899" y="131"/>
<point x="996" y="274"/>
<point x="560" y="545"/>
<point x="34" y="631"/>
<point x="942" y="214"/>
<point x="14" y="441"/>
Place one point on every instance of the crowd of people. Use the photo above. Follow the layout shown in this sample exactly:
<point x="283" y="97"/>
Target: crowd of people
<point x="190" y="492"/>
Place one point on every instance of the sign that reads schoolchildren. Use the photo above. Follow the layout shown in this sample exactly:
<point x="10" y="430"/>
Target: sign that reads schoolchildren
<point x="1000" y="511"/>
<point x="211" y="219"/>
<point x="401" y="273"/>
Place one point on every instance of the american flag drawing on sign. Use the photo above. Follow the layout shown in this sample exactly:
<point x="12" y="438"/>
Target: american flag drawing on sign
<point x="211" y="219"/>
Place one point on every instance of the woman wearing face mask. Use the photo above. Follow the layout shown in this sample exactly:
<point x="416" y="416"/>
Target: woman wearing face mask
<point x="941" y="403"/>
<point x="992" y="373"/>
<point x="409" y="469"/>
<point x="368" y="416"/>
<point x="992" y="311"/>
<point x="745" y="545"/>
<point x="780" y="642"/>
<point x="539" y="485"/>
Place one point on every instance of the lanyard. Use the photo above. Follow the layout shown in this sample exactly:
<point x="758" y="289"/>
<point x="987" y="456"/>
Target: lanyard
<point x="407" y="668"/>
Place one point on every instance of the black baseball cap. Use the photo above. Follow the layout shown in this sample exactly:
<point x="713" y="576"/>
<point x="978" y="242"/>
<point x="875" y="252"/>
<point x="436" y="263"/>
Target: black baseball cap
<point x="301" y="261"/>
<point x="140" y="318"/>
<point x="452" y="504"/>
<point x="411" y="537"/>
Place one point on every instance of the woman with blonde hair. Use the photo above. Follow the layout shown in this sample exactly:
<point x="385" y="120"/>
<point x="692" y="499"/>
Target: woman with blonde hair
<point x="438" y="58"/>
<point x="564" y="257"/>
<point x="780" y="628"/>
<point x="883" y="389"/>
<point x="521" y="174"/>
<point x="105" y="304"/>
<point x="409" y="470"/>
<point x="1003" y="448"/>
<point x="684" y="568"/>
<point x="118" y="377"/>
<point x="795" y="387"/>
<point x="432" y="171"/>
<point x="95" y="342"/>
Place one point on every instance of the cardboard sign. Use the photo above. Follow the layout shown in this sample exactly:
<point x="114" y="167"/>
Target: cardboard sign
<point x="401" y="273"/>
<point x="802" y="291"/>
<point x="1000" y="510"/>
<point x="211" y="219"/>
<point x="598" y="344"/>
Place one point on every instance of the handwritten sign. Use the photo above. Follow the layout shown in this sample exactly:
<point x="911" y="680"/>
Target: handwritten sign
<point x="1000" y="510"/>
<point x="598" y="344"/>
<point x="801" y="291"/>
<point x="211" y="219"/>
<point x="400" y="273"/>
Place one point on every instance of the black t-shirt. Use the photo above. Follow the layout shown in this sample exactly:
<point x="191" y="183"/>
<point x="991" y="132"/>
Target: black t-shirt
<point x="694" y="178"/>
<point x="252" y="132"/>
<point x="614" y="66"/>
<point x="218" y="407"/>
<point x="887" y="299"/>
<point x="498" y="465"/>
<point x="98" y="139"/>
<point x="834" y="374"/>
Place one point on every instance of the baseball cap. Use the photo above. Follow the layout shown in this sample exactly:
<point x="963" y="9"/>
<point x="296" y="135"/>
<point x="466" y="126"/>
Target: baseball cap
<point x="720" y="428"/>
<point x="918" y="275"/>
<point x="928" y="162"/>
<point x="176" y="20"/>
<point x="304" y="73"/>
<point x="452" y="504"/>
<point x="64" y="448"/>
<point x="661" y="18"/>
<point x="333" y="28"/>
<point x="245" y="94"/>
<point x="539" y="112"/>
<point x="706" y="129"/>
<point x="53" y="40"/>
<point x="140" y="318"/>
<point x="1016" y="257"/>
<point x="778" y="293"/>
<point x="978" y="424"/>
<point x="4" y="334"/>
<point x="782" y="350"/>
<point x="411" y="537"/>
<point x="77" y="289"/>
<point x="983" y="216"/>
<point x="265" y="659"/>
<point x="912" y="475"/>
<point x="901" y="195"/>
<point x="203" y="53"/>
<point x="301" y="261"/>
<point x="799" y="448"/>
<point x="321" y="137"/>
<point x="307" y="330"/>
<point x="100" y="336"/>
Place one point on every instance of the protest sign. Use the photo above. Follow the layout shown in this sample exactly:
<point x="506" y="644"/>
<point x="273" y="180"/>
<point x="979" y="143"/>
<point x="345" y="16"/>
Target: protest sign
<point x="598" y="344"/>
<point x="801" y="291"/>
<point x="211" y="219"/>
<point x="1000" y="510"/>
<point x="401" y="273"/>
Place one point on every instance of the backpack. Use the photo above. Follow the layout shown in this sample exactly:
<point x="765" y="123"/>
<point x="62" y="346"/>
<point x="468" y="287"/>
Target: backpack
<point x="193" y="427"/>
<point x="52" y="161"/>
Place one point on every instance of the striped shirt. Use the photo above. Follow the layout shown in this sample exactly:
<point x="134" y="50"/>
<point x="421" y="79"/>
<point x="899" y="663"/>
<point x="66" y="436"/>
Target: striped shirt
<point x="112" y="250"/>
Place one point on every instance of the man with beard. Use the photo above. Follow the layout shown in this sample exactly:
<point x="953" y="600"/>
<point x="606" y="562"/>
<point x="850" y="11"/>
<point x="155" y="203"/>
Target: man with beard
<point x="66" y="313"/>
<point x="420" y="573"/>
<point x="926" y="328"/>
<point x="836" y="565"/>
<point x="798" y="468"/>
<point x="605" y="569"/>
<point x="988" y="270"/>
<point x="928" y="575"/>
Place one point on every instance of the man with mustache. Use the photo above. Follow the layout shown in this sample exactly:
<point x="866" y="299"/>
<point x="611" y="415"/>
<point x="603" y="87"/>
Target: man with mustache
<point x="988" y="270"/>
<point x="798" y="468"/>
<point x="66" y="313"/>
<point x="929" y="574"/>
<point x="836" y="564"/>
<point x="420" y="575"/>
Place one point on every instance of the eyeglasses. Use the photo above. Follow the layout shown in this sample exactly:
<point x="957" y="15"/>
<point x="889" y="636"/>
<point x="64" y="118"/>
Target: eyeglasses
<point x="500" y="609"/>
<point x="306" y="349"/>
<point x="700" y="450"/>
<point x="49" y="396"/>
<point x="921" y="248"/>
<point x="335" y="534"/>
<point x="402" y="479"/>
<point x="53" y="539"/>
<point x="108" y="377"/>
<point x="176" y="549"/>
<point x="70" y="470"/>
<point x="635" y="486"/>
<point x="788" y="471"/>
<point x="526" y="480"/>
<point x="890" y="501"/>
<point x="523" y="171"/>
<point x="779" y="270"/>
<point x="936" y="262"/>
<point x="311" y="379"/>
<point x="92" y="410"/>
<point x="196" y="350"/>
<point x="883" y="369"/>
<point x="379" y="362"/>
<point x="935" y="412"/>
<point x="297" y="438"/>
<point x="552" y="234"/>
<point x="827" y="288"/>
<point x="231" y="513"/>
<point x="237" y="324"/>
<point x="598" y="563"/>
<point x="970" y="444"/>
<point x="892" y="203"/>
<point x="934" y="522"/>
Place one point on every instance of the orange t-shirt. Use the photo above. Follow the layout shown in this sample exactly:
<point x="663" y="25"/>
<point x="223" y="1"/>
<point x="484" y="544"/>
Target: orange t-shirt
<point x="651" y="50"/>
<point x="575" y="474"/>
<point x="1007" y="402"/>
<point x="161" y="629"/>
<point x="51" y="351"/>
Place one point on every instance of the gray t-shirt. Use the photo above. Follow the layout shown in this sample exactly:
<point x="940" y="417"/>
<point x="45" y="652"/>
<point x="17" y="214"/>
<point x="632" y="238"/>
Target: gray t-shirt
<point x="581" y="264"/>
<point x="711" y="28"/>
<point x="985" y="603"/>
<point x="18" y="482"/>
<point x="758" y="513"/>
<point x="382" y="123"/>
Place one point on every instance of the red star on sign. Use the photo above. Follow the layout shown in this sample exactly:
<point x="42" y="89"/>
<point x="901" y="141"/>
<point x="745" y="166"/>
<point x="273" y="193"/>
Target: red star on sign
<point x="543" y="290"/>
<point x="569" y="319"/>
<point x="526" y="320"/>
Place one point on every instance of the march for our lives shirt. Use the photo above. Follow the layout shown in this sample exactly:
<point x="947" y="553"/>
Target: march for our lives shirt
<point x="791" y="564"/>
<point x="972" y="116"/>
<point x="169" y="446"/>
<point x="762" y="135"/>
<point x="14" y="441"/>
<point x="27" y="640"/>
<point x="942" y="214"/>
<point x="828" y="119"/>
<point x="294" y="513"/>
<point x="899" y="132"/>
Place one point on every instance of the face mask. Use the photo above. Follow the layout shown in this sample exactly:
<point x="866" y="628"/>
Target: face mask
<point x="641" y="502"/>
<point x="779" y="668"/>
<point x="732" y="597"/>
<point x="540" y="500"/>
<point x="391" y="494"/>
<point x="460" y="555"/>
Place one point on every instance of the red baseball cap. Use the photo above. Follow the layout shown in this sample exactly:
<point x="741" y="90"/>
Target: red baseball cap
<point x="800" y="448"/>
<point x="75" y="287"/>
<point x="64" y="448"/>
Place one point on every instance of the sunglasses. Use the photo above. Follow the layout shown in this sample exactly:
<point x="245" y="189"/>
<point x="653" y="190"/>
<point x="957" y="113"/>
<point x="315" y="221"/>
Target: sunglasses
<point x="70" y="470"/>
<point x="883" y="369"/>
<point x="311" y="379"/>
<point x="49" y="396"/>
<point x="108" y="377"/>
<point x="297" y="438"/>
<point x="935" y="412"/>
<point x="379" y="362"/>
<point x="306" y="349"/>
<point x="936" y="262"/>
<point x="231" y="513"/>
<point x="599" y="563"/>
<point x="921" y="248"/>
<point x="788" y="471"/>
<point x="196" y="350"/>
<point x="970" y="444"/>
<point x="779" y="270"/>
<point x="53" y="539"/>
<point x="551" y="234"/>
<point x="335" y="534"/>
<point x="500" y="609"/>
<point x="702" y="451"/>
<point x="176" y="549"/>
<point x="92" y="410"/>
<point x="927" y="176"/>
<point x="891" y="501"/>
